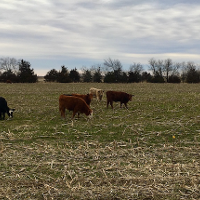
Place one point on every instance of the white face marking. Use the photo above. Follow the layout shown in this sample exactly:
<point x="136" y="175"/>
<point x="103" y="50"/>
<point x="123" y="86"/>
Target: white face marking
<point x="11" y="112"/>
<point x="91" y="115"/>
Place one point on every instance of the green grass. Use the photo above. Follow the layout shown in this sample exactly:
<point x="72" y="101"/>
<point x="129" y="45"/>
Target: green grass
<point x="149" y="151"/>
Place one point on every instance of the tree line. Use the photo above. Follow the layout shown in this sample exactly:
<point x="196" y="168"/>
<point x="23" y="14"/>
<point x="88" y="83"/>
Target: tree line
<point x="111" y="71"/>
<point x="13" y="70"/>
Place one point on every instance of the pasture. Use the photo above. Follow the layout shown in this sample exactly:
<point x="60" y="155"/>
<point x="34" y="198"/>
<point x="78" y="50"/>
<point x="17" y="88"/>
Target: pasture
<point x="150" y="151"/>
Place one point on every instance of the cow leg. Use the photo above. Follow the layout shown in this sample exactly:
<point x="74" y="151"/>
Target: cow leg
<point x="126" y="105"/>
<point x="62" y="113"/>
<point x="3" y="115"/>
<point x="107" y="103"/>
<point x="74" y="113"/>
<point x="111" y="103"/>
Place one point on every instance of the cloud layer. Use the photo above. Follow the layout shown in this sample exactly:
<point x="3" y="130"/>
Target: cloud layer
<point x="50" y="33"/>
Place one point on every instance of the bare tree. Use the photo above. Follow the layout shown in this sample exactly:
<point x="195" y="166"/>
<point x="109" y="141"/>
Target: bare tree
<point x="167" y="68"/>
<point x="115" y="65"/>
<point x="136" y="67"/>
<point x="176" y="67"/>
<point x="9" y="64"/>
<point x="153" y="65"/>
<point x="164" y="68"/>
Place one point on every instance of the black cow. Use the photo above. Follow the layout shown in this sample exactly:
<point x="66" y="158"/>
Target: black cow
<point x="115" y="96"/>
<point x="5" y="109"/>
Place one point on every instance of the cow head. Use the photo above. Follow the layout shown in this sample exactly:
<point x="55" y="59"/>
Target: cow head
<point x="90" y="115"/>
<point x="130" y="97"/>
<point x="100" y="94"/>
<point x="10" y="113"/>
<point x="89" y="96"/>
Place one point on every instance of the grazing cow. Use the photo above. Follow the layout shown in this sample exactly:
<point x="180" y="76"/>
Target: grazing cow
<point x="75" y="104"/>
<point x="5" y="109"/>
<point x="86" y="97"/>
<point x="123" y="97"/>
<point x="97" y="93"/>
<point x="9" y="81"/>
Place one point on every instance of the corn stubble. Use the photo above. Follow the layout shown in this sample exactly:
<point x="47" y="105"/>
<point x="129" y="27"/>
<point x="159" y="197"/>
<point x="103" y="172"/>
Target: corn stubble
<point x="150" y="151"/>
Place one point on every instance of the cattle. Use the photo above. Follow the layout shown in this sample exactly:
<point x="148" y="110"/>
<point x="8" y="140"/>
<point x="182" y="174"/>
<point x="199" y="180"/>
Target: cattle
<point x="5" y="109"/>
<point x="97" y="93"/>
<point x="9" y="81"/>
<point x="115" y="96"/>
<point x="75" y="104"/>
<point x="86" y="97"/>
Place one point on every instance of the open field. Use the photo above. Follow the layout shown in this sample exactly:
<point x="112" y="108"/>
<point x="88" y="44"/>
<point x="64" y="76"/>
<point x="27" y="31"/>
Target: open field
<point x="151" y="151"/>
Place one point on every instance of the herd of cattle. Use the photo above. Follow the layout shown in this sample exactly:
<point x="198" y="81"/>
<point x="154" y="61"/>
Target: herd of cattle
<point x="77" y="103"/>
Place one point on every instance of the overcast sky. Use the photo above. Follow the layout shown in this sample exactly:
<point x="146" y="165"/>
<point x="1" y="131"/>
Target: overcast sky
<point x="52" y="33"/>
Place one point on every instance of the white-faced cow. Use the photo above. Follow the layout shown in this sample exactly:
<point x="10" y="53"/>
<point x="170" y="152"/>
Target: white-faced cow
<point x="75" y="104"/>
<point x="97" y="93"/>
<point x="115" y="96"/>
<point x="5" y="109"/>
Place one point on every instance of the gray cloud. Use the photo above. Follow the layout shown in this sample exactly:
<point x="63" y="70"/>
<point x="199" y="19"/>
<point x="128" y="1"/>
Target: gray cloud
<point x="87" y="31"/>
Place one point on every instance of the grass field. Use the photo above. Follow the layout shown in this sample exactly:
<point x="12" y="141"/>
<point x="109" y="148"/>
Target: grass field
<point x="150" y="151"/>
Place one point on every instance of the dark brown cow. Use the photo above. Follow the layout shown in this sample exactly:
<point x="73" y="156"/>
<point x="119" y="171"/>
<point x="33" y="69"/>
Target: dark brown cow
<point x="75" y="104"/>
<point x="115" y="96"/>
<point x="9" y="81"/>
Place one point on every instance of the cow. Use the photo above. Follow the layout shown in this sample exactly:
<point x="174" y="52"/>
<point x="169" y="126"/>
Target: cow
<point x="5" y="109"/>
<point x="115" y="96"/>
<point x="86" y="97"/>
<point x="9" y="81"/>
<point x="97" y="93"/>
<point x="75" y="104"/>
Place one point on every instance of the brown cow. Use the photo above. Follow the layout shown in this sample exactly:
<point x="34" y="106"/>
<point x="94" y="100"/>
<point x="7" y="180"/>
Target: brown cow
<point x="86" y="97"/>
<point x="75" y="104"/>
<point x="8" y="81"/>
<point x="115" y="96"/>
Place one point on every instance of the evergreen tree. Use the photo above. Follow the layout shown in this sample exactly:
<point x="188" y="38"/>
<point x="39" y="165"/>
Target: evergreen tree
<point x="174" y="79"/>
<point x="123" y="78"/>
<point x="109" y="77"/>
<point x="26" y="74"/>
<point x="9" y="75"/>
<point x="157" y="78"/>
<point x="51" y="76"/>
<point x="190" y="73"/>
<point x="97" y="77"/>
<point x="146" y="77"/>
<point x="134" y="77"/>
<point x="63" y="75"/>
<point x="74" y="75"/>
<point x="192" y="76"/>
<point x="87" y="76"/>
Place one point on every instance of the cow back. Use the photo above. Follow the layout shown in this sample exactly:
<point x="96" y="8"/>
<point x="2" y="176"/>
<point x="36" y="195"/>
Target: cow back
<point x="87" y="98"/>
<point x="118" y="96"/>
